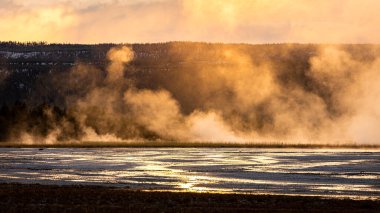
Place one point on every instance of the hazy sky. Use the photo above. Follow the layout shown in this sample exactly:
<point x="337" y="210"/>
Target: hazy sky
<point x="252" y="21"/>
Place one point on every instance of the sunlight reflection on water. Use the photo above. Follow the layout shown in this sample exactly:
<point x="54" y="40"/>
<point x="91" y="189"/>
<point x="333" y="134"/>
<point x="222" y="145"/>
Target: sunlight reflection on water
<point x="326" y="172"/>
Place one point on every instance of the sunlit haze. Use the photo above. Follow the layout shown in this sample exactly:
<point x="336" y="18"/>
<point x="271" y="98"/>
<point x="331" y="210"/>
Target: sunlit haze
<point x="246" y="21"/>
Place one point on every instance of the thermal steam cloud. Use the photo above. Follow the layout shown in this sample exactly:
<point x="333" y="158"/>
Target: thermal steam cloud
<point x="293" y="113"/>
<point x="245" y="100"/>
<point x="154" y="111"/>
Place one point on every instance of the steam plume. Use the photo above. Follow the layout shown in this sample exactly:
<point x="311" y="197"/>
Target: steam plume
<point x="236" y="98"/>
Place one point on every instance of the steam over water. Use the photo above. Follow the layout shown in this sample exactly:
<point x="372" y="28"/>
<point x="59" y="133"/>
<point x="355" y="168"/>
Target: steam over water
<point x="210" y="93"/>
<point x="337" y="173"/>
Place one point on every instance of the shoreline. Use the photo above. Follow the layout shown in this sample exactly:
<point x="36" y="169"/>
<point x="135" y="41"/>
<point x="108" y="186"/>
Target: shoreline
<point x="35" y="197"/>
<point x="166" y="144"/>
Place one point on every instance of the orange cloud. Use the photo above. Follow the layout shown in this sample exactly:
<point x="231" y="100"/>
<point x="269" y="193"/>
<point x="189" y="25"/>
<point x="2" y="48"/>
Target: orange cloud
<point x="255" y="21"/>
<point x="42" y="24"/>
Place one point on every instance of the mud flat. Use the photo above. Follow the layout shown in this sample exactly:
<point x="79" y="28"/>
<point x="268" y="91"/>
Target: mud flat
<point x="336" y="173"/>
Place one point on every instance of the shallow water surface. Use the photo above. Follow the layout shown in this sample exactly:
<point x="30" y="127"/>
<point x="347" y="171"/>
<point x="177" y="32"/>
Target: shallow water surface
<point x="325" y="172"/>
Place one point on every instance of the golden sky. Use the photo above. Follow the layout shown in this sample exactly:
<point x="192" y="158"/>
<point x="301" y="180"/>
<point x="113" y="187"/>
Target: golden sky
<point x="248" y="21"/>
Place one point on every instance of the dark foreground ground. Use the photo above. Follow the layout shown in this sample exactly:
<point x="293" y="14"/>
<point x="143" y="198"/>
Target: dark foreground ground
<point x="40" y="198"/>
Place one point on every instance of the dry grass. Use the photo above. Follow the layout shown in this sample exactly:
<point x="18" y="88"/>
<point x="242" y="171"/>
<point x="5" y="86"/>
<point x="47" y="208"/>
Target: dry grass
<point x="179" y="144"/>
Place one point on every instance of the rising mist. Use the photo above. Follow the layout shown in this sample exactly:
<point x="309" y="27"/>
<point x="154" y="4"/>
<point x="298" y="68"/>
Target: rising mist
<point x="314" y="94"/>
